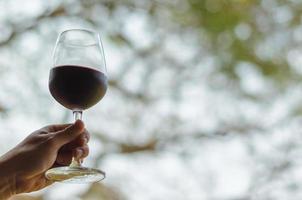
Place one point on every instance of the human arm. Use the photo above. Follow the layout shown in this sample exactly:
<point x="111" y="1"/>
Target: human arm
<point x="22" y="169"/>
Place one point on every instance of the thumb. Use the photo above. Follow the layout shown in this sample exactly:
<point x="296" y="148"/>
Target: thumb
<point x="70" y="133"/>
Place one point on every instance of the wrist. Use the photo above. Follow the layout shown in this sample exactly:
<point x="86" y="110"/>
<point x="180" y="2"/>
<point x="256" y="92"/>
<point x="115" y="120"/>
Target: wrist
<point x="7" y="180"/>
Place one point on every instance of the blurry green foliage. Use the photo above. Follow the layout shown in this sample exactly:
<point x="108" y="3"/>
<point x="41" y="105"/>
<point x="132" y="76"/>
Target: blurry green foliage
<point x="217" y="21"/>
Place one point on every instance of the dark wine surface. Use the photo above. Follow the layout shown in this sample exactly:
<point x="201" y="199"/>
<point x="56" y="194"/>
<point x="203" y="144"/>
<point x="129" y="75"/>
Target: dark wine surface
<point x="77" y="87"/>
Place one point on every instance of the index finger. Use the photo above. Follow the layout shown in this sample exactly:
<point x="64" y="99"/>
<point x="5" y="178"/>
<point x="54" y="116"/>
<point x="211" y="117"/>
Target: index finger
<point x="56" y="127"/>
<point x="78" y="142"/>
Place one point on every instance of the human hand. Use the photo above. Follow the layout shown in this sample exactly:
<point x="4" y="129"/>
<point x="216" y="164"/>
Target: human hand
<point x="24" y="166"/>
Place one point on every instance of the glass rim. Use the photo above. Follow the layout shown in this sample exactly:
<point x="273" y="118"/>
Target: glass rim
<point x="98" y="43"/>
<point x="96" y="34"/>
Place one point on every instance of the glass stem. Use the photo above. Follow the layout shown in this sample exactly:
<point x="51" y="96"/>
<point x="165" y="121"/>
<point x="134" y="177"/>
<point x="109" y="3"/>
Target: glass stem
<point x="77" y="114"/>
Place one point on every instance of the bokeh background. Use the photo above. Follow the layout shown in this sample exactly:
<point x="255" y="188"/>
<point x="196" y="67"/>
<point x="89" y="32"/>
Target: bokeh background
<point x="204" y="103"/>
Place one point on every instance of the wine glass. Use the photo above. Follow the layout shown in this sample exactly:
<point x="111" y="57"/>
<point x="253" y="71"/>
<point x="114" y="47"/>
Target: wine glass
<point x="77" y="80"/>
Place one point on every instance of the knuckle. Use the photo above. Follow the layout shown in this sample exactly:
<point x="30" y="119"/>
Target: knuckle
<point x="86" y="150"/>
<point x="86" y="135"/>
<point x="43" y="132"/>
<point x="34" y="138"/>
<point x="47" y="128"/>
<point x="50" y="140"/>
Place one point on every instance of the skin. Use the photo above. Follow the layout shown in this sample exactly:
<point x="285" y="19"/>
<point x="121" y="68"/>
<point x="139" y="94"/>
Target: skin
<point x="22" y="169"/>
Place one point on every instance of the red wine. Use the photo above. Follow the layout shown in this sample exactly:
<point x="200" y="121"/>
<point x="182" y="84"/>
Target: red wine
<point x="77" y="87"/>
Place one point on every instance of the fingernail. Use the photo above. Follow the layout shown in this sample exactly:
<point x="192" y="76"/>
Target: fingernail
<point x="79" y="124"/>
<point x="79" y="153"/>
<point x="85" y="140"/>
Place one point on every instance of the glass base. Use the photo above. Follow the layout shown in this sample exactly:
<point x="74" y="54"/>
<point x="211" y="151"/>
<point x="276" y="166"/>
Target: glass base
<point x="75" y="175"/>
